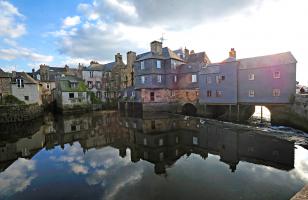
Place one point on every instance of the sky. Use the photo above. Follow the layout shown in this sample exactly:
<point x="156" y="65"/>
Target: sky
<point x="77" y="31"/>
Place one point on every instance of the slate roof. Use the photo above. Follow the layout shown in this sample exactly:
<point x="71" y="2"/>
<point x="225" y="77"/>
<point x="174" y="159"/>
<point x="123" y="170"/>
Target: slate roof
<point x="166" y="54"/>
<point x="266" y="61"/>
<point x="4" y="74"/>
<point x="198" y="58"/>
<point x="190" y="67"/>
<point x="95" y="67"/>
<point x="27" y="79"/>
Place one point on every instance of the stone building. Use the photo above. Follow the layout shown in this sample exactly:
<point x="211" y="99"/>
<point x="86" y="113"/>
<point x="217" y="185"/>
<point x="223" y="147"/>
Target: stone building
<point x="107" y="80"/>
<point x="25" y="88"/>
<point x="164" y="78"/>
<point x="5" y="84"/>
<point x="47" y="76"/>
<point x="71" y="94"/>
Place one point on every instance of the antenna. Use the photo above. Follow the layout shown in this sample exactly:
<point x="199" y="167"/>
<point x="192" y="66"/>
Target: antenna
<point x="162" y="39"/>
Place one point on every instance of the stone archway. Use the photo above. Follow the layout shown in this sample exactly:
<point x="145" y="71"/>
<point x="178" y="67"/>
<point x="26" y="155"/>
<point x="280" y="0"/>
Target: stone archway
<point x="189" y="109"/>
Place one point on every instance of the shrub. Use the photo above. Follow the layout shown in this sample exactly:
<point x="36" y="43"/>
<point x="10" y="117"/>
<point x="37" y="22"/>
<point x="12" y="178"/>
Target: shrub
<point x="10" y="99"/>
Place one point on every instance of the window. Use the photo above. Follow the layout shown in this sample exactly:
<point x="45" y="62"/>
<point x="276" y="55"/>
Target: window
<point x="71" y="95"/>
<point x="251" y="93"/>
<point x="159" y="78"/>
<point x="133" y="93"/>
<point x="172" y="93"/>
<point x="153" y="124"/>
<point x="47" y="86"/>
<point x="175" y="78"/>
<point x="161" y="142"/>
<point x="158" y="64"/>
<point x="98" y="84"/>
<point x="173" y="64"/>
<point x="90" y="84"/>
<point x="125" y="94"/>
<point x="142" y="79"/>
<point x="27" y="98"/>
<point x="20" y="83"/>
<point x="276" y="74"/>
<point x="193" y="78"/>
<point x="195" y="140"/>
<point x="161" y="156"/>
<point x="218" y="93"/>
<point x="209" y="93"/>
<point x="142" y="65"/>
<point x="220" y="78"/>
<point x="73" y="85"/>
<point x="208" y="80"/>
<point x="152" y="96"/>
<point x="91" y="74"/>
<point x="177" y="139"/>
<point x="276" y="92"/>
<point x="145" y="142"/>
<point x="251" y="77"/>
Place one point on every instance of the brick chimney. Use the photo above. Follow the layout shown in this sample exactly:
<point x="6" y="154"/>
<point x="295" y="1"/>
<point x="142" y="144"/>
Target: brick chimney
<point x="157" y="47"/>
<point x="186" y="53"/>
<point x="131" y="58"/>
<point x="118" y="58"/>
<point x="232" y="53"/>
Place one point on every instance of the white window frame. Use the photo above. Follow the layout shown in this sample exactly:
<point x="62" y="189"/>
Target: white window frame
<point x="172" y="93"/>
<point x="251" y="76"/>
<point x="142" y="79"/>
<point x="195" y="140"/>
<point x="91" y="74"/>
<point x="20" y="83"/>
<point x="251" y="93"/>
<point x="276" y="92"/>
<point x="194" y="78"/>
<point x="142" y="65"/>
<point x="159" y="79"/>
<point x="125" y="93"/>
<point x="133" y="94"/>
<point x="276" y="76"/>
<point x="175" y="78"/>
<point x="158" y="64"/>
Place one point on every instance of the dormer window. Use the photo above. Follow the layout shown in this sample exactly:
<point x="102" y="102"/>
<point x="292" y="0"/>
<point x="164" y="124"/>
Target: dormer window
<point x="20" y="83"/>
<point x="73" y="84"/>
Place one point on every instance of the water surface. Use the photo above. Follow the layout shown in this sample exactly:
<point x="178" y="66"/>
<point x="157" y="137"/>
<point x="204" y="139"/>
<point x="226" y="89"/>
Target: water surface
<point x="107" y="156"/>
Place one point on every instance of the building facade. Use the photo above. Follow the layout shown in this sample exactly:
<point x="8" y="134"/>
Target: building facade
<point x="72" y="94"/>
<point x="5" y="84"/>
<point x="163" y="77"/>
<point x="267" y="79"/>
<point x="25" y="88"/>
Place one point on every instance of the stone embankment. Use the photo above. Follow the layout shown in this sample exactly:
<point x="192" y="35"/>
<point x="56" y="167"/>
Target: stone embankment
<point x="19" y="113"/>
<point x="295" y="115"/>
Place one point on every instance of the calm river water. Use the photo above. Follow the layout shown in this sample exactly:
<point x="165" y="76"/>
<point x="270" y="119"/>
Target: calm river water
<point x="104" y="155"/>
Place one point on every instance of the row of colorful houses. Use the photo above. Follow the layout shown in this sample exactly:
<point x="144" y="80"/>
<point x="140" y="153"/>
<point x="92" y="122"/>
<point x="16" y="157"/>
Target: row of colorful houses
<point x="158" y="79"/>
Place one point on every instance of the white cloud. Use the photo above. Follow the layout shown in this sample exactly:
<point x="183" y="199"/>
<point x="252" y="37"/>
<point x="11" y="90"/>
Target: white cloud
<point x="9" y="20"/>
<point x="79" y="169"/>
<point x="24" y="53"/>
<point x="71" y="21"/>
<point x="17" y="177"/>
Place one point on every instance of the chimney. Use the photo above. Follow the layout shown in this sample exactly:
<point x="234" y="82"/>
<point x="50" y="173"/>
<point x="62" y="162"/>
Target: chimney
<point x="186" y="53"/>
<point x="232" y="53"/>
<point x="157" y="47"/>
<point x="131" y="58"/>
<point x="14" y="74"/>
<point x="118" y="58"/>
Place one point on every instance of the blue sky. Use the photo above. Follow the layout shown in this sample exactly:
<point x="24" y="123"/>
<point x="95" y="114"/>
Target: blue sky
<point x="77" y="31"/>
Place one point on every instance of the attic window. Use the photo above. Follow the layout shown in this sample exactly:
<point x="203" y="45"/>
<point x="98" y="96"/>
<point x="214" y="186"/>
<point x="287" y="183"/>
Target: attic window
<point x="20" y="83"/>
<point x="73" y="85"/>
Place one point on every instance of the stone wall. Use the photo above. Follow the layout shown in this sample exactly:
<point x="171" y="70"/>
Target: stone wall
<point x="19" y="113"/>
<point x="294" y="115"/>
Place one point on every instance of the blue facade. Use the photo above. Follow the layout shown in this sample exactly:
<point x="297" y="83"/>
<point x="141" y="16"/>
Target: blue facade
<point x="260" y="80"/>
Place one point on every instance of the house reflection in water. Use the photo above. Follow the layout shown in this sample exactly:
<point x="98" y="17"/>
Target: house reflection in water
<point x="160" y="139"/>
